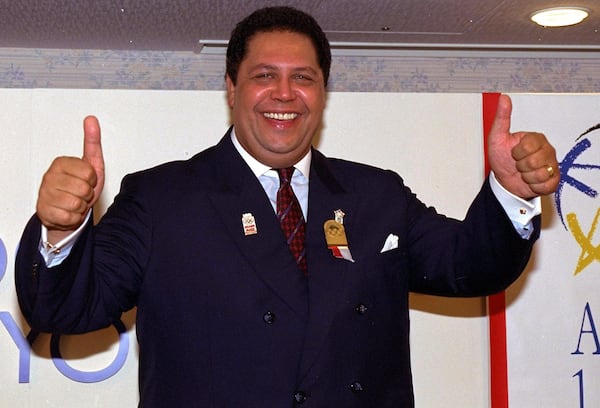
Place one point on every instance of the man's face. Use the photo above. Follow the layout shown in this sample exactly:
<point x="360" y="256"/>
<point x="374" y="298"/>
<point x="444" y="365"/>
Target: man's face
<point x="278" y="101"/>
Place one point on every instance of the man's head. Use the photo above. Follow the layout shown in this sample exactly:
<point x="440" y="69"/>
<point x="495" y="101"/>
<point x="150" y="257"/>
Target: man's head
<point x="276" y="19"/>
<point x="276" y="84"/>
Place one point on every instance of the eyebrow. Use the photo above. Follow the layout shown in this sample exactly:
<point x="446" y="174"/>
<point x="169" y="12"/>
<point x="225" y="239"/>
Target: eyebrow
<point x="276" y="68"/>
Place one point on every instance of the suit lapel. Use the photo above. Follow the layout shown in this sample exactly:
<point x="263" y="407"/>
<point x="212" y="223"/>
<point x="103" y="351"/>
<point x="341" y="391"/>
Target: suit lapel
<point x="239" y="193"/>
<point x="326" y="273"/>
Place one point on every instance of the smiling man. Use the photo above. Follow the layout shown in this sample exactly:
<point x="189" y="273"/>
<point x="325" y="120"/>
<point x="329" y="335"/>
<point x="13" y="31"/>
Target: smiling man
<point x="312" y="307"/>
<point x="278" y="97"/>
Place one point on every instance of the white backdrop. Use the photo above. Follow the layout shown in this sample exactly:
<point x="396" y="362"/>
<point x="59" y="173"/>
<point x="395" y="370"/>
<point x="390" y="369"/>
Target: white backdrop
<point x="433" y="140"/>
<point x="553" y="311"/>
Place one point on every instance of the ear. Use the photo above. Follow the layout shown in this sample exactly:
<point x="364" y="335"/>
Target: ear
<point x="230" y="91"/>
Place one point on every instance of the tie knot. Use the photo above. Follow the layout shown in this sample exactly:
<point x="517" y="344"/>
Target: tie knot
<point x="285" y="175"/>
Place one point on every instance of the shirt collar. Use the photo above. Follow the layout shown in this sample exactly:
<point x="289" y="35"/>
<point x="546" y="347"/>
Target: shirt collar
<point x="258" y="168"/>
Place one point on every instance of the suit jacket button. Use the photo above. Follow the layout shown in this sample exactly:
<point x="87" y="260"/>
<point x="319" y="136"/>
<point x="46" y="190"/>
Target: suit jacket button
<point x="34" y="269"/>
<point x="269" y="317"/>
<point x="300" y="397"/>
<point x="361" y="309"/>
<point x="356" y="387"/>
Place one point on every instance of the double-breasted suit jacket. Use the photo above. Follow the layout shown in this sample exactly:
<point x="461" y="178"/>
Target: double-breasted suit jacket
<point x="226" y="319"/>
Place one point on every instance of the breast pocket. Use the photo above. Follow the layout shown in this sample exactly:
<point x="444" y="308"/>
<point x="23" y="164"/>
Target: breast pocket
<point x="385" y="274"/>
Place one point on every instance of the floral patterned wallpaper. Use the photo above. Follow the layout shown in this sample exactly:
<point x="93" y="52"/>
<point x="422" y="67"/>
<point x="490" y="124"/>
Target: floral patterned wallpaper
<point x="157" y="70"/>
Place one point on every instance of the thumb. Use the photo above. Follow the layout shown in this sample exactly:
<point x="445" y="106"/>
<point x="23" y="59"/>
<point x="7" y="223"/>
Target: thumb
<point x="501" y="143"/>
<point x="501" y="125"/>
<point x="92" y="151"/>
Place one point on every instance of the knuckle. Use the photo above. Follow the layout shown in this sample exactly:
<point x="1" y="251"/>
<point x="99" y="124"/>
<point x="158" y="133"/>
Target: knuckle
<point x="73" y="204"/>
<point x="82" y="190"/>
<point x="55" y="218"/>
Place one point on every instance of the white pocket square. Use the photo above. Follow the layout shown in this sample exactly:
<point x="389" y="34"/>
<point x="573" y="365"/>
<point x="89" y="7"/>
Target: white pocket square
<point x="391" y="242"/>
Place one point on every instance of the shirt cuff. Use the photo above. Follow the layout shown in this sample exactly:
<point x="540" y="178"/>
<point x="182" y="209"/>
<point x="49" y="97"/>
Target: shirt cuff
<point x="521" y="212"/>
<point x="55" y="254"/>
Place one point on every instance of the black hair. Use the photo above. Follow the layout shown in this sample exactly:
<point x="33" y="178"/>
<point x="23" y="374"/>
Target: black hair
<point x="270" y="19"/>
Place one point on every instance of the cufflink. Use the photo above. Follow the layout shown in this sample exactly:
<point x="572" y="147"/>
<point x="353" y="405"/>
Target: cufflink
<point x="51" y="248"/>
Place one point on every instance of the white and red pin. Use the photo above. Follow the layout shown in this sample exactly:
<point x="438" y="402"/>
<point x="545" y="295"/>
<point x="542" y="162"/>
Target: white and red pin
<point x="249" y="224"/>
<point x="335" y="236"/>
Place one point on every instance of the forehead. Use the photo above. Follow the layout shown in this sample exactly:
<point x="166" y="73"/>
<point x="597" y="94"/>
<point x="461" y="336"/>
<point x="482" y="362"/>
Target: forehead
<point x="284" y="45"/>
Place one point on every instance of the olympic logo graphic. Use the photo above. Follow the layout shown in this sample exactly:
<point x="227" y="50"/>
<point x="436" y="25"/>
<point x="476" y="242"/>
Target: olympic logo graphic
<point x="579" y="171"/>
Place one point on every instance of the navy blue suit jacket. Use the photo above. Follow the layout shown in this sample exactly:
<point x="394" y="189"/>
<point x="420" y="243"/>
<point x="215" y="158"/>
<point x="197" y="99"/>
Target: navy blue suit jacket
<point x="227" y="320"/>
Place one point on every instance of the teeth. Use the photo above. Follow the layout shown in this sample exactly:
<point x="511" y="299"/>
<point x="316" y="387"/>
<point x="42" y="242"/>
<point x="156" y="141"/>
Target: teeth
<point x="280" y="116"/>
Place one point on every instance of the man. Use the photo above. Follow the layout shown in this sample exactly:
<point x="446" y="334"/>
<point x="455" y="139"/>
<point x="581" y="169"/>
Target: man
<point x="228" y="314"/>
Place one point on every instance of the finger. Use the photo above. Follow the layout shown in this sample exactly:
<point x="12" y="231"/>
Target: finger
<point x="529" y="144"/>
<point x="63" y="206"/>
<point x="70" y="174"/>
<point x="80" y="188"/>
<point x="63" y="185"/>
<point x="548" y="186"/>
<point x="534" y="152"/>
<point x="541" y="175"/>
<point x="66" y="192"/>
<point x="55" y="218"/>
<point x="64" y="203"/>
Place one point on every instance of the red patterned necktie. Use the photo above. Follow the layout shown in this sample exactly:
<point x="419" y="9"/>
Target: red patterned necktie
<point x="290" y="216"/>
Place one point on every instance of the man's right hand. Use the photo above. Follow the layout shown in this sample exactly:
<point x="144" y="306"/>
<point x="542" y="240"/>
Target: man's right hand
<point x="71" y="186"/>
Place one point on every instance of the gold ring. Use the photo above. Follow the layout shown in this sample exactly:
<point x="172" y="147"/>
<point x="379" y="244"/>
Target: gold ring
<point x="550" y="171"/>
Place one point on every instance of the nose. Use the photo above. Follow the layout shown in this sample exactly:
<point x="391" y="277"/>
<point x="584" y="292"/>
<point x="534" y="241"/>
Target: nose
<point x="283" y="90"/>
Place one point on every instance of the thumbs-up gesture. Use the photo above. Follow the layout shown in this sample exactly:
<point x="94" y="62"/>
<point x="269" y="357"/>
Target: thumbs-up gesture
<point x="524" y="163"/>
<point x="71" y="186"/>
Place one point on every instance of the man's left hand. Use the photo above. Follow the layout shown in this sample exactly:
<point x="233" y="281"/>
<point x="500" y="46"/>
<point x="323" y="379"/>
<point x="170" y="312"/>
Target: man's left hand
<point x="524" y="163"/>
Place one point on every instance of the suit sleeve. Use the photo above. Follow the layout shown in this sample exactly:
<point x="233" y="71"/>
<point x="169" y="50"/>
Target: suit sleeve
<point x="97" y="282"/>
<point x="481" y="255"/>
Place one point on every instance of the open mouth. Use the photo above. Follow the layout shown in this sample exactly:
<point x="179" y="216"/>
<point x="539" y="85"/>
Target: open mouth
<point x="280" y="116"/>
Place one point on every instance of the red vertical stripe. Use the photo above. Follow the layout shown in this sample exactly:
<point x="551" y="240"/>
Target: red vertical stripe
<point x="496" y="303"/>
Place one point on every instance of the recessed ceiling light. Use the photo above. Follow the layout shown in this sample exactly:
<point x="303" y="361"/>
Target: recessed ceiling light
<point x="559" y="16"/>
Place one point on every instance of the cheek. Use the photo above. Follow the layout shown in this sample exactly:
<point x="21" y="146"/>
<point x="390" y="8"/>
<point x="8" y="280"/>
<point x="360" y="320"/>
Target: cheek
<point x="249" y="102"/>
<point x="316" y="101"/>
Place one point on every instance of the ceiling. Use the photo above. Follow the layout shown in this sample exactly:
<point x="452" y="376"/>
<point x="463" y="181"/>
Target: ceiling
<point x="185" y="24"/>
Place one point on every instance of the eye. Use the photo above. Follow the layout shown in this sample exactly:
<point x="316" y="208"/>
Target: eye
<point x="303" y="78"/>
<point x="264" y="75"/>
